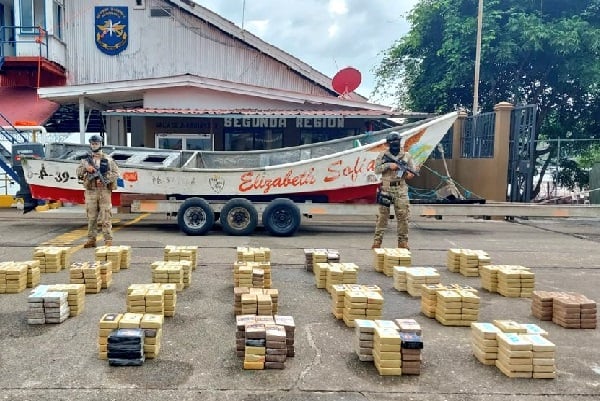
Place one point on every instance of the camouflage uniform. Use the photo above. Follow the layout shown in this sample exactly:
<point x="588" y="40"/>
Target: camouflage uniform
<point x="397" y="188"/>
<point x="98" y="196"/>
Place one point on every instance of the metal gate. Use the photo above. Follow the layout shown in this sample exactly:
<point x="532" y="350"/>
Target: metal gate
<point x="521" y="163"/>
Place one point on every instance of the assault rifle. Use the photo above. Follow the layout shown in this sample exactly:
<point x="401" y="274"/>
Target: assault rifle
<point x="402" y="166"/>
<point x="98" y="173"/>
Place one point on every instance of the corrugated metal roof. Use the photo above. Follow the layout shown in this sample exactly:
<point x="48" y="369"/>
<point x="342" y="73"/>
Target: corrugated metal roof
<point x="148" y="112"/>
<point x="22" y="105"/>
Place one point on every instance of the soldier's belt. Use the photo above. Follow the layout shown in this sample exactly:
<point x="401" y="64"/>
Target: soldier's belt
<point x="395" y="183"/>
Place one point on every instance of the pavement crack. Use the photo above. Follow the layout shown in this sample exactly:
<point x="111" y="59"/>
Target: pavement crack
<point x="317" y="358"/>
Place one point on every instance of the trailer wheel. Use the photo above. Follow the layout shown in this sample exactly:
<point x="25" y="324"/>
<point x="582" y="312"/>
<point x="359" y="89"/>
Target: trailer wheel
<point x="281" y="217"/>
<point x="195" y="217"/>
<point x="239" y="217"/>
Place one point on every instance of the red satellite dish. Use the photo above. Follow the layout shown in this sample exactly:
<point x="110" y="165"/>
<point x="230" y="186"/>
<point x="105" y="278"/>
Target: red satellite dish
<point x="346" y="80"/>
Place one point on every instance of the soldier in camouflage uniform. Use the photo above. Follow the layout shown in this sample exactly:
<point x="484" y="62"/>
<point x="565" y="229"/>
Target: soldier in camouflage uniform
<point x="395" y="187"/>
<point x="98" y="191"/>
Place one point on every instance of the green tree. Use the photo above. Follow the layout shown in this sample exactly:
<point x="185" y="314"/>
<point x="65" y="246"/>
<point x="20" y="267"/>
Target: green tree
<point x="545" y="52"/>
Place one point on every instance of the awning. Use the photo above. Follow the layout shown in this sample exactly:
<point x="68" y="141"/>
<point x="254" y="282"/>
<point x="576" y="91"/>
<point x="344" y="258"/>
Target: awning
<point x="22" y="106"/>
<point x="225" y="113"/>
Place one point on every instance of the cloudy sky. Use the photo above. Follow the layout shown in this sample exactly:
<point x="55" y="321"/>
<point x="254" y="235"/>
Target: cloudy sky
<point x="327" y="34"/>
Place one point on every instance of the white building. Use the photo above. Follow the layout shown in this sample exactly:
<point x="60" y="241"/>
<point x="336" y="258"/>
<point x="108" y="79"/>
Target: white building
<point x="169" y="72"/>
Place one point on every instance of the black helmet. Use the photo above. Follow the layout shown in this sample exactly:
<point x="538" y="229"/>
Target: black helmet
<point x="393" y="137"/>
<point x="95" y="138"/>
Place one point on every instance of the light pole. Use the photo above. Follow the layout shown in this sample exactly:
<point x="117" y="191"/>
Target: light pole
<point x="477" y="58"/>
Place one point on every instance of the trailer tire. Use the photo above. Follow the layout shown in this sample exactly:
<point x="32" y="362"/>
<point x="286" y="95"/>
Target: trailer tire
<point x="281" y="217"/>
<point x="195" y="217"/>
<point x="239" y="217"/>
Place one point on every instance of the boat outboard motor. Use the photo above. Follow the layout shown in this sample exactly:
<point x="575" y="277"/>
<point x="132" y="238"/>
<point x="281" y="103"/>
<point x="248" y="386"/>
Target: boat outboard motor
<point x="19" y="151"/>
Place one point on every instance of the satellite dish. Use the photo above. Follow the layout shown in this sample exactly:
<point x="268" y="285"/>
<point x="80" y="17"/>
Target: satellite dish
<point x="346" y="80"/>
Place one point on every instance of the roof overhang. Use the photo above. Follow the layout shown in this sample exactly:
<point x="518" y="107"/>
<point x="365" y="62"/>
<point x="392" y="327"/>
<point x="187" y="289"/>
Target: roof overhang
<point x="122" y="94"/>
<point x="239" y="113"/>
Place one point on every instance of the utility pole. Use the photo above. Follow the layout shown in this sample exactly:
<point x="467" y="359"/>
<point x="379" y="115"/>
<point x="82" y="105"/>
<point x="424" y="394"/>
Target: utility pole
<point x="477" y="58"/>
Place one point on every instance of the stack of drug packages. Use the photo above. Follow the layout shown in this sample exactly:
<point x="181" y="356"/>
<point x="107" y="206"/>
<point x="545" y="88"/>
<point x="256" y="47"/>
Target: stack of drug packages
<point x="75" y="296"/>
<point x="119" y="255"/>
<point x="153" y="303"/>
<point x="44" y="306"/>
<point x="13" y="277"/>
<point x="566" y="309"/>
<point x="53" y="258"/>
<point x="145" y="300"/>
<point x="328" y="274"/>
<point x="169" y="272"/>
<point x="341" y="273"/>
<point x="265" y="342"/>
<point x="178" y="272"/>
<point x="255" y="301"/>
<point x="411" y="344"/>
<point x="253" y="254"/>
<point x="320" y="270"/>
<point x="397" y="347"/>
<point x="508" y="280"/>
<point x="149" y="325"/>
<point x="33" y="273"/>
<point x="466" y="261"/>
<point x="252" y="268"/>
<point x="319" y="255"/>
<point x="178" y="253"/>
<point x="516" y="282"/>
<point x="457" y="307"/>
<point x="384" y="259"/>
<point x="361" y="303"/>
<point x="89" y="274"/>
<point x="416" y="277"/>
<point x="338" y="295"/>
<point x="451" y="305"/>
<point x="518" y="350"/>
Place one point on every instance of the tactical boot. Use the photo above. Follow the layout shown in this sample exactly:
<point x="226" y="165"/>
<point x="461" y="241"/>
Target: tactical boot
<point x="376" y="244"/>
<point x="403" y="244"/>
<point x="108" y="242"/>
<point x="91" y="243"/>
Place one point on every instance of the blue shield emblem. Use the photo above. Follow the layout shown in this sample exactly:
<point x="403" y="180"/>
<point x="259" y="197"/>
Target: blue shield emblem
<point x="111" y="29"/>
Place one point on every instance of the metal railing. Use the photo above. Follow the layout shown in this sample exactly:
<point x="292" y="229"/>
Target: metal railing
<point x="18" y="34"/>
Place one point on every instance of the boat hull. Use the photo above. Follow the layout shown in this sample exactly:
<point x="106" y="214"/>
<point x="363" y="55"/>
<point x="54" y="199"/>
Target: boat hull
<point x="360" y="195"/>
<point x="344" y="176"/>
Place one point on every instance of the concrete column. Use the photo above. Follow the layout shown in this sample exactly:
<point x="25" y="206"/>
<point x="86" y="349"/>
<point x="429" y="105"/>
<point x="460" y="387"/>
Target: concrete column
<point x="82" y="119"/>
<point x="502" y="129"/>
<point x="457" y="130"/>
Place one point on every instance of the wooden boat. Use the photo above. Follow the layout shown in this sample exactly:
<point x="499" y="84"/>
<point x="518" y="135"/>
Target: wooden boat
<point x="337" y="171"/>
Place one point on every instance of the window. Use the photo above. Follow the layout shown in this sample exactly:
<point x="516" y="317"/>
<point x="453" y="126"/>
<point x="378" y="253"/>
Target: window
<point x="27" y="16"/>
<point x="238" y="140"/>
<point x="57" y="15"/>
<point x="185" y="141"/>
<point x="32" y="16"/>
<point x="324" y="134"/>
<point x="161" y="12"/>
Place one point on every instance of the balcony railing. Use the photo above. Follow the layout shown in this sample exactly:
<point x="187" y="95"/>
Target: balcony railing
<point x="23" y="41"/>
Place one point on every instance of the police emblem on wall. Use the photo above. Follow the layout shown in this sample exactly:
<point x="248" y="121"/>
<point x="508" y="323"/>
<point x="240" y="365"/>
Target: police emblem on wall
<point x="111" y="29"/>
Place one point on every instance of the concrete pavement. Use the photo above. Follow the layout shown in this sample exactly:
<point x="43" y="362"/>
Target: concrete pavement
<point x="198" y="361"/>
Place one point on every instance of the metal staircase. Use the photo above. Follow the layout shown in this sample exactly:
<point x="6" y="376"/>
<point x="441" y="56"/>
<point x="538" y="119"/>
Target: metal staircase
<point x="13" y="137"/>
